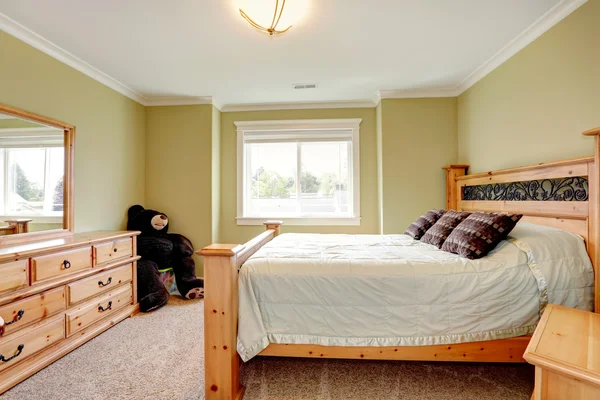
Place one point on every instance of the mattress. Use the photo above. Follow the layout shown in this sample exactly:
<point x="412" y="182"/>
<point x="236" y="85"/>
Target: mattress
<point x="391" y="290"/>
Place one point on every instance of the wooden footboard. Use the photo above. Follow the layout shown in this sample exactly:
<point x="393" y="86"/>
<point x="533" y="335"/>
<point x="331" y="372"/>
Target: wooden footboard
<point x="221" y="361"/>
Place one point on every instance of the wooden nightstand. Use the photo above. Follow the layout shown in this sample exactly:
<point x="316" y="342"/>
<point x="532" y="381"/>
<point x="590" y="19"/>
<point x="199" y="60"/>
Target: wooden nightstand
<point x="565" y="350"/>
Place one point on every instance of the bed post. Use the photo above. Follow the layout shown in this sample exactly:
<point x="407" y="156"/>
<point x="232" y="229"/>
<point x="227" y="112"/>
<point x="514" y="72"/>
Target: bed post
<point x="221" y="361"/>
<point x="594" y="213"/>
<point x="274" y="225"/>
<point x="452" y="172"/>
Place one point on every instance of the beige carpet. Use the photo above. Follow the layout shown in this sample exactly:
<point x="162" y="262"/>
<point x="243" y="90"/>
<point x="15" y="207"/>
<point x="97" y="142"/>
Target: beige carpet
<point x="150" y="356"/>
<point x="159" y="356"/>
<point x="287" y="379"/>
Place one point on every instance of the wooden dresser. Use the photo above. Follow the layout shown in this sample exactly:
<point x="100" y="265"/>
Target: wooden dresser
<point x="57" y="294"/>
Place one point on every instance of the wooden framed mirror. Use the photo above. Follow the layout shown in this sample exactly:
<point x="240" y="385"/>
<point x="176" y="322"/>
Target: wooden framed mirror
<point x="36" y="176"/>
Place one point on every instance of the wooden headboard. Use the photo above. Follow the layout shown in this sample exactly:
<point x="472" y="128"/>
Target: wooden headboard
<point x="562" y="194"/>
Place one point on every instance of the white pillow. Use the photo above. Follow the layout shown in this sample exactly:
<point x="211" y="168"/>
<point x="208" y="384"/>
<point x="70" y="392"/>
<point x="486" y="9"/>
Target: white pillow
<point x="563" y="260"/>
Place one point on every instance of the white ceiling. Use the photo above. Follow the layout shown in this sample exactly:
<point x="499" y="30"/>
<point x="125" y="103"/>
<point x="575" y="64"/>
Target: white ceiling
<point x="351" y="48"/>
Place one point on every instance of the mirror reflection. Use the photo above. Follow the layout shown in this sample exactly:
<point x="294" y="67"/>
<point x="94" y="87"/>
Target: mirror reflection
<point x="31" y="176"/>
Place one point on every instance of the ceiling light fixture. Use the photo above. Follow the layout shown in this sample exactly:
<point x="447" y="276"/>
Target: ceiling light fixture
<point x="272" y="30"/>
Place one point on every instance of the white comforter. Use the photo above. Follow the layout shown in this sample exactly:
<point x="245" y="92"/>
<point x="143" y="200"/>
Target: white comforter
<point x="390" y="290"/>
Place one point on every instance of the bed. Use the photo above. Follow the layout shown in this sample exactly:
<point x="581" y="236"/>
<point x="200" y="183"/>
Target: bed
<point x="393" y="290"/>
<point x="390" y="297"/>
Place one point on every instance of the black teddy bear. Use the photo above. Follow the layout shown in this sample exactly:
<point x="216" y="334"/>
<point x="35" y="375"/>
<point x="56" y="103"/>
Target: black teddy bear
<point x="161" y="250"/>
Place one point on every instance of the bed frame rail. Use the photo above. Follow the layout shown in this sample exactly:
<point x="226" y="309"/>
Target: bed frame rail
<point x="501" y="351"/>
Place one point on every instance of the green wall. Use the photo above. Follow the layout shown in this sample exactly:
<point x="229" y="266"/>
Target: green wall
<point x="230" y="232"/>
<point x="533" y="107"/>
<point x="418" y="137"/>
<point x="178" y="169"/>
<point x="195" y="181"/>
<point x="110" y="144"/>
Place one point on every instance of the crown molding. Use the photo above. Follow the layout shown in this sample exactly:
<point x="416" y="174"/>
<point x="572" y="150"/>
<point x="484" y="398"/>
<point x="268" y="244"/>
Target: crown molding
<point x="297" y="106"/>
<point x="377" y="97"/>
<point x="177" y="101"/>
<point x="26" y="35"/>
<point x="535" y="30"/>
<point x="416" y="93"/>
<point x="552" y="17"/>
<point x="42" y="44"/>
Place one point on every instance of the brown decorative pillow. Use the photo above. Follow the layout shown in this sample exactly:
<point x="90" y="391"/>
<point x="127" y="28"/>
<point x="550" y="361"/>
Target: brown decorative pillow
<point x="480" y="233"/>
<point x="418" y="228"/>
<point x="437" y="234"/>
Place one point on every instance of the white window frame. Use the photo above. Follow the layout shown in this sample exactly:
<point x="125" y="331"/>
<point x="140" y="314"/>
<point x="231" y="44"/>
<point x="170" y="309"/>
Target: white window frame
<point x="303" y="127"/>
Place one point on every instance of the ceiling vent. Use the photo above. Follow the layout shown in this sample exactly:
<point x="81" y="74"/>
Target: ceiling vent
<point x="306" y="86"/>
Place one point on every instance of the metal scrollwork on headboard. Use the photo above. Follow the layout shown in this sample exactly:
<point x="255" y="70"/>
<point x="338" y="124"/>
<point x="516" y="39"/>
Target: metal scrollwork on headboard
<point x="563" y="189"/>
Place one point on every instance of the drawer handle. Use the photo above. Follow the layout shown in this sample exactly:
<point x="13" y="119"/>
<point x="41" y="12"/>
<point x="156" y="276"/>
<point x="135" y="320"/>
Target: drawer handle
<point x="102" y="309"/>
<point x="17" y="354"/>
<point x="66" y="264"/>
<point x="108" y="282"/>
<point x="17" y="318"/>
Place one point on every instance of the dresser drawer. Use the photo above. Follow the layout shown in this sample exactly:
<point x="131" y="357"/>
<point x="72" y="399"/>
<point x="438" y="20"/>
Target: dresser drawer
<point x="18" y="347"/>
<point x="59" y="264"/>
<point x="94" y="310"/>
<point x="13" y="275"/>
<point x="32" y="309"/>
<point x="110" y="251"/>
<point x="94" y="285"/>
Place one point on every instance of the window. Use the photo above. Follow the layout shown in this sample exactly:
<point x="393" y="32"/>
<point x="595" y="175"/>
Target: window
<point x="304" y="172"/>
<point x="31" y="174"/>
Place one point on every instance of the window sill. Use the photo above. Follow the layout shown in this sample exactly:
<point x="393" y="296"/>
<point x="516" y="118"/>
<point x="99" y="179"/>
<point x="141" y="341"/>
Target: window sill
<point x="37" y="219"/>
<point x="336" y="221"/>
